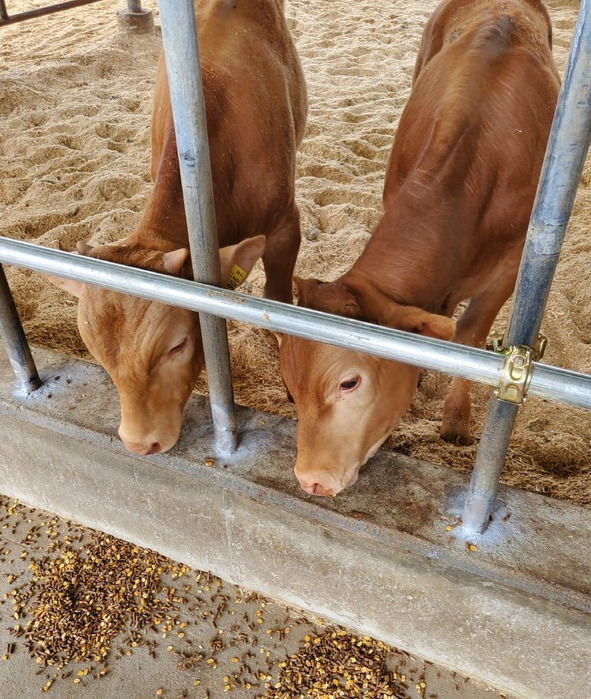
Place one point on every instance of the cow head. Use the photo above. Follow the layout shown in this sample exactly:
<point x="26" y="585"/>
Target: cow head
<point x="152" y="351"/>
<point x="347" y="402"/>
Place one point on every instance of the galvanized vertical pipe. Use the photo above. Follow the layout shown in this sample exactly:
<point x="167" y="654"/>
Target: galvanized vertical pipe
<point x="563" y="164"/>
<point x="134" y="5"/>
<point x="15" y="340"/>
<point x="186" y="93"/>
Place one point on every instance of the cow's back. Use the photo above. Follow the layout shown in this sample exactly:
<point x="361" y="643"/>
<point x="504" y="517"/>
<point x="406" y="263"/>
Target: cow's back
<point x="451" y="20"/>
<point x="255" y="99"/>
<point x="471" y="140"/>
<point x="484" y="79"/>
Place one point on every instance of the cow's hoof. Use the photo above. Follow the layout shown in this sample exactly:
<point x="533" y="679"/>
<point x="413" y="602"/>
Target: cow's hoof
<point x="459" y="437"/>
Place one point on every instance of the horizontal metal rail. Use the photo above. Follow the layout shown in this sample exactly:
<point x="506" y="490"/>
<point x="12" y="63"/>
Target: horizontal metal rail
<point x="448" y="357"/>
<point x="6" y="18"/>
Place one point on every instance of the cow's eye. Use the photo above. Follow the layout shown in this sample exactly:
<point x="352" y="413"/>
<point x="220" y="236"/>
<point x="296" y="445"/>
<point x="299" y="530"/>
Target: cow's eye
<point x="177" y="349"/>
<point x="349" y="384"/>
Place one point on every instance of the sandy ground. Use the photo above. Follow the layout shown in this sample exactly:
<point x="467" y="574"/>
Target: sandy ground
<point x="75" y="102"/>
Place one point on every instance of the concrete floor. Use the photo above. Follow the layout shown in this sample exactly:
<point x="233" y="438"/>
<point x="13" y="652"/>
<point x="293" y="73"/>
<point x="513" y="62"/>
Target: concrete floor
<point x="140" y="672"/>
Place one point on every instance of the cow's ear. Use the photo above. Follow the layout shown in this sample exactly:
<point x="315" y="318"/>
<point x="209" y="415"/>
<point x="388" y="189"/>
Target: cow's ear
<point x="417" y="320"/>
<point x="305" y="287"/>
<point x="330" y="297"/>
<point x="174" y="261"/>
<point x="237" y="261"/>
<point x="72" y="287"/>
<point x="83" y="248"/>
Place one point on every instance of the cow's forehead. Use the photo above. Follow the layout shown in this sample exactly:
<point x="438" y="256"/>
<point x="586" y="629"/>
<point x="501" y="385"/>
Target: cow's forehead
<point x="115" y="324"/>
<point x="310" y="364"/>
<point x="106" y="301"/>
<point x="110" y="310"/>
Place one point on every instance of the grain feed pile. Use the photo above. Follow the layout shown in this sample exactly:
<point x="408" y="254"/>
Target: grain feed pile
<point x="74" y="154"/>
<point x="87" y="607"/>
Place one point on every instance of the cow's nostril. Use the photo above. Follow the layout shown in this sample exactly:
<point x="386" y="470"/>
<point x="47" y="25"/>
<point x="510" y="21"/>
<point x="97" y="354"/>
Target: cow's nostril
<point x="321" y="490"/>
<point x="155" y="448"/>
<point x="316" y="489"/>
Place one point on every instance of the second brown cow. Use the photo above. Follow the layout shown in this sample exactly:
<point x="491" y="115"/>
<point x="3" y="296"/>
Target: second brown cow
<point x="458" y="194"/>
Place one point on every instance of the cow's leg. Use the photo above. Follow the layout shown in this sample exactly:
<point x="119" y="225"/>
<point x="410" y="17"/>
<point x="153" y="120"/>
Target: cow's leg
<point x="280" y="256"/>
<point x="472" y="329"/>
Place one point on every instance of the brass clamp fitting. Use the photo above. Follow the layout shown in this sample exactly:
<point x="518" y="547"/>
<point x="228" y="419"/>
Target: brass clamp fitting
<point x="518" y="367"/>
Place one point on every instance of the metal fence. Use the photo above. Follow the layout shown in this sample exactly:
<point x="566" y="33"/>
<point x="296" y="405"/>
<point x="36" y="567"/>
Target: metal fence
<point x="6" y="18"/>
<point x="134" y="7"/>
<point x="512" y="369"/>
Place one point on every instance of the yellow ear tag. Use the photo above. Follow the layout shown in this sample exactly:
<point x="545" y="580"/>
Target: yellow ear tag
<point x="237" y="276"/>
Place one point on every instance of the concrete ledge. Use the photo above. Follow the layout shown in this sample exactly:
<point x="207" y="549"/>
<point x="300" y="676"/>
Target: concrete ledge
<point x="515" y="613"/>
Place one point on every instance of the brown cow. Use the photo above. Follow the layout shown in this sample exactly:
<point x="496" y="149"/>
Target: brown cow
<point x="256" y="107"/>
<point x="458" y="194"/>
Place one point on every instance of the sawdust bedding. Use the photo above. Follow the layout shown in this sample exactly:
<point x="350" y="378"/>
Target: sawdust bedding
<point x="75" y="101"/>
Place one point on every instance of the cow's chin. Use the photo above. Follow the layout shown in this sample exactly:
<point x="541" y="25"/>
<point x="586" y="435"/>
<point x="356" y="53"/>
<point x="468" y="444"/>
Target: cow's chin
<point x="153" y="445"/>
<point x="373" y="449"/>
<point x="148" y="448"/>
<point x="326" y="481"/>
<point x="146" y="442"/>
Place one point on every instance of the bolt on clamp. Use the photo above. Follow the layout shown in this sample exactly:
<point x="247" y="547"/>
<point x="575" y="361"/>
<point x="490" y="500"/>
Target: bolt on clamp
<point x="518" y="367"/>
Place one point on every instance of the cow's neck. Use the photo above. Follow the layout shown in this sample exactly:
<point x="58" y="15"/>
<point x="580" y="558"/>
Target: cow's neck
<point x="163" y="225"/>
<point x="409" y="258"/>
<point x="424" y="242"/>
